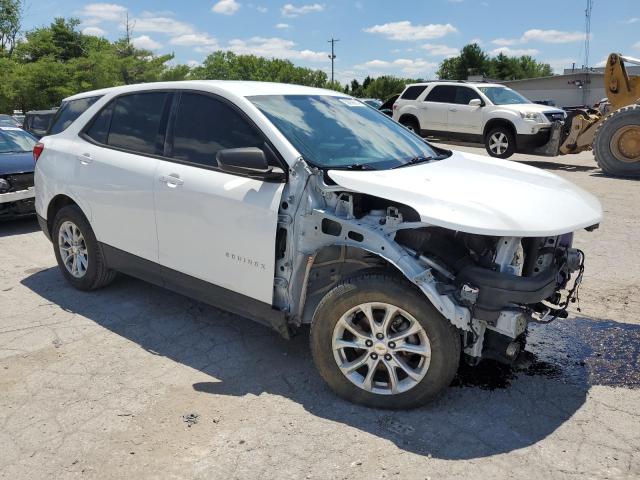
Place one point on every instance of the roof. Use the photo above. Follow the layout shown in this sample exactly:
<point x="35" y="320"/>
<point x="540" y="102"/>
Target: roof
<point x="455" y="82"/>
<point x="568" y="75"/>
<point x="233" y="87"/>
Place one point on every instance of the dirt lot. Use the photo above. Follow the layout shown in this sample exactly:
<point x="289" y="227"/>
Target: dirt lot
<point x="136" y="382"/>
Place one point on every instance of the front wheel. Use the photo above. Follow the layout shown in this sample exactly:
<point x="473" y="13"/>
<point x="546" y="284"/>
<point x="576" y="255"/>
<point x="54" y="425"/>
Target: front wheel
<point x="500" y="142"/>
<point x="378" y="342"/>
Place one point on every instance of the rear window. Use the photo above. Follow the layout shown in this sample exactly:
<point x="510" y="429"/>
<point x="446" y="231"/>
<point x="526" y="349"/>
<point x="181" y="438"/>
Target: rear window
<point x="137" y="122"/>
<point x="68" y="113"/>
<point x="413" y="92"/>
<point x="442" y="93"/>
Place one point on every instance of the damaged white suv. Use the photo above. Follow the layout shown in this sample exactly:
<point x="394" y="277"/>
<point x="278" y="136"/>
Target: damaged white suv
<point x="292" y="205"/>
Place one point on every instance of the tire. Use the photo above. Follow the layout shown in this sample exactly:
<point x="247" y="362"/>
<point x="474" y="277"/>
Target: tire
<point x="383" y="289"/>
<point x="606" y="148"/>
<point x="500" y="142"/>
<point x="95" y="273"/>
<point x="412" y="124"/>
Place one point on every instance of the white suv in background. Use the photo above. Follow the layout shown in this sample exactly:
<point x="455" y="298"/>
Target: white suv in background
<point x="502" y="119"/>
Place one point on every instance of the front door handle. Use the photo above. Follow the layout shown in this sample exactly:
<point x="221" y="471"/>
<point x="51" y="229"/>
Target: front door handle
<point x="172" y="180"/>
<point x="85" y="159"/>
<point x="453" y="109"/>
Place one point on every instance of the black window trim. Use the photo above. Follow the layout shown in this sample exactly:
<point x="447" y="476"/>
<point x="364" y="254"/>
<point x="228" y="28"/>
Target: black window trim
<point x="61" y="108"/>
<point x="426" y="97"/>
<point x="167" y="127"/>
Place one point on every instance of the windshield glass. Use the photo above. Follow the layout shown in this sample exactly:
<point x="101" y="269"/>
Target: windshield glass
<point x="15" y="141"/>
<point x="340" y="132"/>
<point x="7" y="121"/>
<point x="503" y="96"/>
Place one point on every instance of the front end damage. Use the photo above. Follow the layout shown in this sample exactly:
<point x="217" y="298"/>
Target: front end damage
<point x="490" y="288"/>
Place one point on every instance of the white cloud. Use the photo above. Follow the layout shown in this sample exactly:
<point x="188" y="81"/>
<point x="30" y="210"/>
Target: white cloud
<point x="476" y="40"/>
<point x="202" y="42"/>
<point x="274" y="47"/>
<point x="226" y="7"/>
<point x="146" y="43"/>
<point x="544" y="36"/>
<point x="441" y="50"/>
<point x="406" y="31"/>
<point x="631" y="20"/>
<point x="514" y="52"/>
<point x="95" y="31"/>
<point x="290" y="10"/>
<point x="636" y="45"/>
<point x="262" y="9"/>
<point x="193" y="63"/>
<point x="165" y="25"/>
<point x="559" y="64"/>
<point x="407" y="66"/>
<point x="283" y="26"/>
<point x="94" y="13"/>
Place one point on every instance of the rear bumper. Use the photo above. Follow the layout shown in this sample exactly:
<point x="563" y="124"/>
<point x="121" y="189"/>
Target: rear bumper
<point x="44" y="226"/>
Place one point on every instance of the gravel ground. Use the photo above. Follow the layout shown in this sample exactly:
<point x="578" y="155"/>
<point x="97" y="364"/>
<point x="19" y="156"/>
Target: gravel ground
<point x="136" y="382"/>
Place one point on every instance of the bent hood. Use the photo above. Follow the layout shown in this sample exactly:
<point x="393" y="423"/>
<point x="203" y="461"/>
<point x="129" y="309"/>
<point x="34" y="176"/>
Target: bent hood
<point x="16" y="163"/>
<point x="476" y="194"/>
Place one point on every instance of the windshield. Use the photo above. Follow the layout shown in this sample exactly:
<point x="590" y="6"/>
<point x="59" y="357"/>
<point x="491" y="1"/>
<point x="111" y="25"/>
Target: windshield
<point x="8" y="121"/>
<point x="503" y="96"/>
<point x="340" y="132"/>
<point x="15" y="141"/>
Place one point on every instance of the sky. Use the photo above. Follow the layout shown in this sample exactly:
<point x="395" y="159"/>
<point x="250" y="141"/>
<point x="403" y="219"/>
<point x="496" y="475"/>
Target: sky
<point x="400" y="37"/>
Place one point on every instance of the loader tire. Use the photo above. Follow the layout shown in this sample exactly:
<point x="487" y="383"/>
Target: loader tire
<point x="616" y="144"/>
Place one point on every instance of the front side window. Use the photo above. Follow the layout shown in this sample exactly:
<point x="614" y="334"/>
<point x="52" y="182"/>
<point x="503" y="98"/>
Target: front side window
<point x="465" y="94"/>
<point x="137" y="120"/>
<point x="503" y="96"/>
<point x="341" y="132"/>
<point x="204" y="125"/>
<point x="442" y="94"/>
<point x="68" y="112"/>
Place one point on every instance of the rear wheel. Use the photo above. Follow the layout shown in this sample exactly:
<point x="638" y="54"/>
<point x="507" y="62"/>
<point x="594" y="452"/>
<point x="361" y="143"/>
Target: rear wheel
<point x="500" y="142"/>
<point x="378" y="342"/>
<point x="616" y="144"/>
<point x="77" y="251"/>
<point x="412" y="124"/>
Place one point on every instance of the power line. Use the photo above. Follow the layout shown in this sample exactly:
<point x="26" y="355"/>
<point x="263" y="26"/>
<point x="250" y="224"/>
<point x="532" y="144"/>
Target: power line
<point x="333" y="55"/>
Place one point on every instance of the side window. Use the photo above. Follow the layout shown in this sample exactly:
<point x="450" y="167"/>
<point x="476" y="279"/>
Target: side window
<point x="99" y="128"/>
<point x="136" y="122"/>
<point x="68" y="112"/>
<point x="413" y="92"/>
<point x="465" y="94"/>
<point x="204" y="125"/>
<point x="442" y="94"/>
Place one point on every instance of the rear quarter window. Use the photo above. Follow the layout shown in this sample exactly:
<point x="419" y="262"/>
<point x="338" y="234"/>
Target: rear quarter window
<point x="69" y="112"/>
<point x="411" y="93"/>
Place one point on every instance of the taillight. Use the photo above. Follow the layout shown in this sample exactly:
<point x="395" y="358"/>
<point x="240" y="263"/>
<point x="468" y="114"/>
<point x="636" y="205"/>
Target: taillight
<point x="37" y="150"/>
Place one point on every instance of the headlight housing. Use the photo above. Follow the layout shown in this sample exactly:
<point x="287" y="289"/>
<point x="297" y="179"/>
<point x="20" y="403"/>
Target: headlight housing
<point x="533" y="116"/>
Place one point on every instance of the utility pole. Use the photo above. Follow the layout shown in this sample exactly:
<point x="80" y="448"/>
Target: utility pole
<point x="586" y="89"/>
<point x="333" y="55"/>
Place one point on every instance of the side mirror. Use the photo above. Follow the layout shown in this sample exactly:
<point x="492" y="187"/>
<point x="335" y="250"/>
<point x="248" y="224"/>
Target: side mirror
<point x="475" y="102"/>
<point x="250" y="162"/>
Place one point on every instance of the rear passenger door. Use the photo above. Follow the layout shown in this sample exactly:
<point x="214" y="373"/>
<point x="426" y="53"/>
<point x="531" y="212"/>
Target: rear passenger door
<point x="463" y="117"/>
<point x="116" y="170"/>
<point x="217" y="227"/>
<point x="435" y="108"/>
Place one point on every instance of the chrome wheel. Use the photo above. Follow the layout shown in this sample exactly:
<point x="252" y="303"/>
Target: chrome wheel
<point x="73" y="249"/>
<point x="381" y="348"/>
<point x="498" y="143"/>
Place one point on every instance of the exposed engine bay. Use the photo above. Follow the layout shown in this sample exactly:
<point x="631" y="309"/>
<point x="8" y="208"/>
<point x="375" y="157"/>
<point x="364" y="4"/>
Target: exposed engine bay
<point x="489" y="287"/>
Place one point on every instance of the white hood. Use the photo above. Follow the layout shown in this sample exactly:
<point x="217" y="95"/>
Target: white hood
<point x="476" y="194"/>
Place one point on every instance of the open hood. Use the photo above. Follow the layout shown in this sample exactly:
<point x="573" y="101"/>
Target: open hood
<point x="476" y="194"/>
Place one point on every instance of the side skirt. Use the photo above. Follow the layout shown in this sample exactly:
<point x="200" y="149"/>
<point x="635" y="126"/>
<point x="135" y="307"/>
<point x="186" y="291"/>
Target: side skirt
<point x="195" y="288"/>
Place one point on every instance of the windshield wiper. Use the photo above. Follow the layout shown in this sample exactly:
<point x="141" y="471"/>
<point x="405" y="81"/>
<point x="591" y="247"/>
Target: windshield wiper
<point x="360" y="166"/>
<point x="418" y="159"/>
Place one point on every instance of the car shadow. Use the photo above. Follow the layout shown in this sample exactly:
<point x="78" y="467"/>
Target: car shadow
<point x="565" y="167"/>
<point x="18" y="226"/>
<point x="488" y="410"/>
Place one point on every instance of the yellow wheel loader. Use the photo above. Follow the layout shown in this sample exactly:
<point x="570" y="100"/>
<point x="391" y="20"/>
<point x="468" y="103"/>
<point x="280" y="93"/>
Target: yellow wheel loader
<point x="614" y="136"/>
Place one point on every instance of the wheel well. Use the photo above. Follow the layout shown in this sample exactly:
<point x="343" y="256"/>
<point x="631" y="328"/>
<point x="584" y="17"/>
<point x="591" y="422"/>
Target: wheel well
<point x="498" y="122"/>
<point x="333" y="264"/>
<point x="408" y="116"/>
<point x="58" y="202"/>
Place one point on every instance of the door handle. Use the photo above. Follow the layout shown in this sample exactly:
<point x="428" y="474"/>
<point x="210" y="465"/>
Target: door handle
<point x="172" y="180"/>
<point x="85" y="159"/>
<point x="453" y="109"/>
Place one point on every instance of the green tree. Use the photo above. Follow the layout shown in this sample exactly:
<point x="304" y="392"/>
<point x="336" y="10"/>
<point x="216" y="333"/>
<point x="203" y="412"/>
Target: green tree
<point x="385" y="86"/>
<point x="10" y="23"/>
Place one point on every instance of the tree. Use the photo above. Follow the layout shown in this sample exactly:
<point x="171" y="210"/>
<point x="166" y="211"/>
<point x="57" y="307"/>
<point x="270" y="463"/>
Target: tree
<point x="385" y="86"/>
<point x="10" y="23"/>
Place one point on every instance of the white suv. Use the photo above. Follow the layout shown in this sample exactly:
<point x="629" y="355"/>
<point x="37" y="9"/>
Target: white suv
<point x="493" y="114"/>
<point x="293" y="205"/>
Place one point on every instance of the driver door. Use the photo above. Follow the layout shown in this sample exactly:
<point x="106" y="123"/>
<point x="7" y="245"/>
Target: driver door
<point x="214" y="226"/>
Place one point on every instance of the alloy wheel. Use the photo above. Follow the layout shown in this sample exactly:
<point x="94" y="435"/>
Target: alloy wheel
<point x="73" y="249"/>
<point x="498" y="143"/>
<point x="381" y="348"/>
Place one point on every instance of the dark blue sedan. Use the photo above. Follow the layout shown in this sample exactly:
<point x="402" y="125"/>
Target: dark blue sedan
<point x="16" y="172"/>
